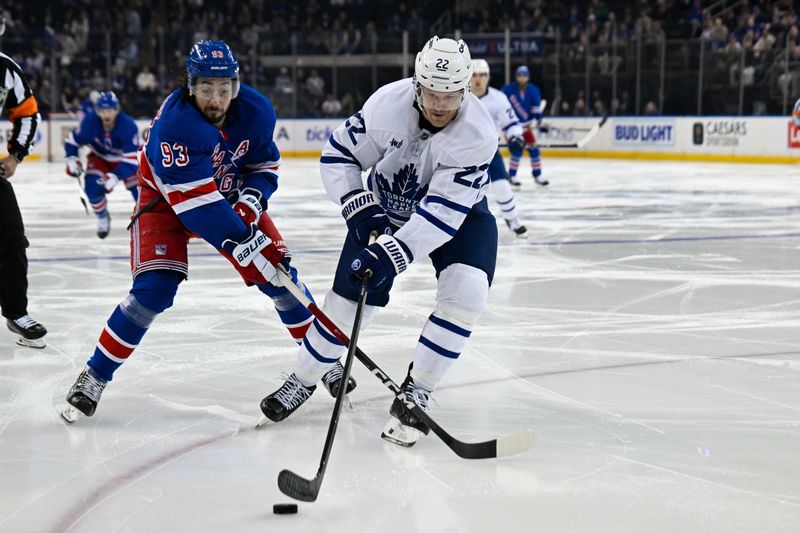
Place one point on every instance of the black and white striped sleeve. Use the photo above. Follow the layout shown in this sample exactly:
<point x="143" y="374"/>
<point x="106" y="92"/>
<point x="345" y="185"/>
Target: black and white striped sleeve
<point x="23" y="111"/>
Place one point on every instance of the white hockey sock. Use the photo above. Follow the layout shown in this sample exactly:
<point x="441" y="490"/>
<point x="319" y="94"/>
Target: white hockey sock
<point x="505" y="199"/>
<point x="320" y="349"/>
<point x="439" y="346"/>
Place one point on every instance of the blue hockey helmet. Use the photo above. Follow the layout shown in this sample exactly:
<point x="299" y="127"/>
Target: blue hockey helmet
<point x="522" y="70"/>
<point x="107" y="100"/>
<point x="212" y="59"/>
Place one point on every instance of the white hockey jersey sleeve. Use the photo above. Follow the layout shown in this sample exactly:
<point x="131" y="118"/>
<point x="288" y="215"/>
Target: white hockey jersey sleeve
<point x="349" y="151"/>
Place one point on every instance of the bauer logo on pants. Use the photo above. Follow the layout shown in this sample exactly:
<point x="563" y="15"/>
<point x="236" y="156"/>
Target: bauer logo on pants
<point x="161" y="249"/>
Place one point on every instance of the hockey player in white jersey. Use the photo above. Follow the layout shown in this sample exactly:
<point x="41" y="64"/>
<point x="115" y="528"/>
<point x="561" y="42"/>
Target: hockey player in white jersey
<point x="427" y="143"/>
<point x="506" y="121"/>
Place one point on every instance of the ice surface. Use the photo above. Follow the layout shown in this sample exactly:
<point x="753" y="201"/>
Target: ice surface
<point x="647" y="331"/>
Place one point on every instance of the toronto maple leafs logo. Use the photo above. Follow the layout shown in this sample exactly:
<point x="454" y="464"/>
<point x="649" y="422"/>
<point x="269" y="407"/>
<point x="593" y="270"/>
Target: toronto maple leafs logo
<point x="404" y="192"/>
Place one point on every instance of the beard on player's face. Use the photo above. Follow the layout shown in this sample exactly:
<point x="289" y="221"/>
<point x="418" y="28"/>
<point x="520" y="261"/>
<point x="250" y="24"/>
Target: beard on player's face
<point x="213" y="98"/>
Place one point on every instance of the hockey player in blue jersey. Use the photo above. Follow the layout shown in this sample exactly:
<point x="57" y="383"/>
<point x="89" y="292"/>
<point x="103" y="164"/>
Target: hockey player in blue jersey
<point x="113" y="140"/>
<point x="427" y="143"/>
<point x="207" y="169"/>
<point x="526" y="99"/>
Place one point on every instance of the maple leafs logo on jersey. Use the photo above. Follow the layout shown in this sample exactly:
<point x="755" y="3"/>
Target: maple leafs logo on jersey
<point x="403" y="193"/>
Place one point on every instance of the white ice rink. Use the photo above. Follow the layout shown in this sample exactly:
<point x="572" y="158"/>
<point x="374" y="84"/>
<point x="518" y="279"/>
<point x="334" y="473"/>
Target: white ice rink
<point x="647" y="331"/>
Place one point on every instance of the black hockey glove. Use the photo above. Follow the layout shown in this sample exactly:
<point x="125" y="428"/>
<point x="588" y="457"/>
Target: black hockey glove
<point x="364" y="215"/>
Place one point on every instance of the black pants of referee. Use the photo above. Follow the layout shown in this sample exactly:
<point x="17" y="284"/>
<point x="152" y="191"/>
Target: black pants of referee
<point x="13" y="261"/>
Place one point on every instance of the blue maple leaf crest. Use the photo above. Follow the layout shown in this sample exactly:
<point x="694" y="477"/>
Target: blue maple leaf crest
<point x="404" y="192"/>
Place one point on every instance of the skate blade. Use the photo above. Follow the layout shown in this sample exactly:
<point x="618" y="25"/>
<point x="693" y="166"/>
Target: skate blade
<point x="263" y="421"/>
<point x="31" y="343"/>
<point x="70" y="414"/>
<point x="396" y="433"/>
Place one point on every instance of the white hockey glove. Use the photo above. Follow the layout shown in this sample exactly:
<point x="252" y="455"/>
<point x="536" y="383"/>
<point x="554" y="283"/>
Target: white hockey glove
<point x="74" y="167"/>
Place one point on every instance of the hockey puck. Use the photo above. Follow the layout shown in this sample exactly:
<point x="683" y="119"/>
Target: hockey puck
<point x="284" y="508"/>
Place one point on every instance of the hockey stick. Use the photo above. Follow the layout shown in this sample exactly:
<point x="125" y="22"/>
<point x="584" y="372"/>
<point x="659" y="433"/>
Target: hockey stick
<point x="580" y="143"/>
<point x="81" y="187"/>
<point x="147" y="207"/>
<point x="497" y="447"/>
<point x="296" y="486"/>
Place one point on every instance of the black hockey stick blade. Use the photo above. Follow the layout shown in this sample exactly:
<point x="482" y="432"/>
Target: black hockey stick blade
<point x="298" y="487"/>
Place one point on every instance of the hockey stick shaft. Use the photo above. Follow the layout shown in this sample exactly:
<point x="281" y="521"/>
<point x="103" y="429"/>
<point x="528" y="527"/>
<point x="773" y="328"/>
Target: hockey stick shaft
<point x="580" y="143"/>
<point x="506" y="445"/>
<point x="82" y="192"/>
<point x="290" y="483"/>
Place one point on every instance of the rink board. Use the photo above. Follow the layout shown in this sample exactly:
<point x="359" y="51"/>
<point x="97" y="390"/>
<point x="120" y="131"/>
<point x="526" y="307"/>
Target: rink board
<point x="718" y="139"/>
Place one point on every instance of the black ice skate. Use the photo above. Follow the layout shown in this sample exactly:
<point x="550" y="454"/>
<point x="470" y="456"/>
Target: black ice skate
<point x="518" y="229"/>
<point x="29" y="332"/>
<point x="83" y="396"/>
<point x="403" y="427"/>
<point x="103" y="226"/>
<point x="285" y="401"/>
<point x="332" y="380"/>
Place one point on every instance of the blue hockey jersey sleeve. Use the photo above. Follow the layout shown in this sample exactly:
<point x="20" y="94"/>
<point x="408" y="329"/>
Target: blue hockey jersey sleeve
<point x="261" y="172"/>
<point x="261" y="166"/>
<point x="80" y="136"/>
<point x="129" y="134"/>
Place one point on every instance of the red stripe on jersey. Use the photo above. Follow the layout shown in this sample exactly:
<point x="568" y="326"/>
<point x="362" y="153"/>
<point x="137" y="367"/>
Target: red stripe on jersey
<point x="113" y="346"/>
<point x="181" y="196"/>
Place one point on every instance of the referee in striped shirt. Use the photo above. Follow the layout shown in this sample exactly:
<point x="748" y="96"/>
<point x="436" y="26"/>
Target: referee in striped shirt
<point x="16" y="96"/>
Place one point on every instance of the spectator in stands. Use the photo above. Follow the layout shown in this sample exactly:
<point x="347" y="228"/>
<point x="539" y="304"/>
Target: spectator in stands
<point x="283" y="83"/>
<point x="331" y="107"/>
<point x="650" y="109"/>
<point x="146" y="81"/>
<point x="315" y="85"/>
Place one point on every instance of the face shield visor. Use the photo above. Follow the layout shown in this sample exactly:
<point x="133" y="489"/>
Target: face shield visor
<point x="440" y="101"/>
<point x="214" y="88"/>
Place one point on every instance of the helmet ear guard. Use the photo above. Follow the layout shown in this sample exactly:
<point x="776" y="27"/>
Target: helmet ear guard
<point x="212" y="59"/>
<point x="443" y="66"/>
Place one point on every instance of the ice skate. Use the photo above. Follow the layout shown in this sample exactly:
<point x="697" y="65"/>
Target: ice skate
<point x="332" y="380"/>
<point x="29" y="332"/>
<point x="514" y="181"/>
<point x="541" y="180"/>
<point x="103" y="226"/>
<point x="518" y="229"/>
<point x="403" y="428"/>
<point x="285" y="401"/>
<point x="83" y="396"/>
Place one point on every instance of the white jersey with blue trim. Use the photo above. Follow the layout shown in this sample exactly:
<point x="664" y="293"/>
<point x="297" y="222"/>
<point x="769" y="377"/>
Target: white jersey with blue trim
<point x="427" y="181"/>
<point x="502" y="113"/>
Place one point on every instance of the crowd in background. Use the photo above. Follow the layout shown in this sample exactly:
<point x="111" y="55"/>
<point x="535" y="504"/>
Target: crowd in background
<point x="137" y="47"/>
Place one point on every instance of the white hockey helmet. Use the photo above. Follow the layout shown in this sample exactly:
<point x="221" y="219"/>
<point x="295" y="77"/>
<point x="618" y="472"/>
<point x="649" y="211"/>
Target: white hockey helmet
<point x="443" y="66"/>
<point x="480" y="66"/>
